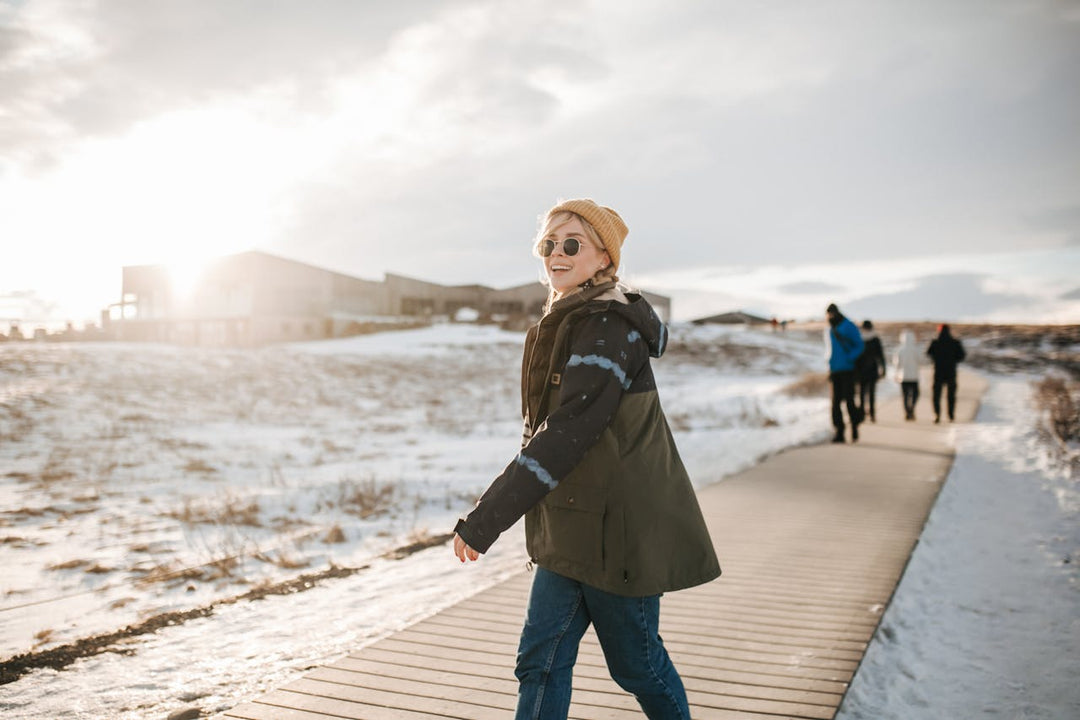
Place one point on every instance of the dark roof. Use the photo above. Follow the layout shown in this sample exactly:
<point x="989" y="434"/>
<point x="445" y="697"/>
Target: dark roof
<point x="732" y="318"/>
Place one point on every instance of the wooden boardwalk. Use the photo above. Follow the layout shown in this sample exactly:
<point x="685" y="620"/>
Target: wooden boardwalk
<point x="812" y="541"/>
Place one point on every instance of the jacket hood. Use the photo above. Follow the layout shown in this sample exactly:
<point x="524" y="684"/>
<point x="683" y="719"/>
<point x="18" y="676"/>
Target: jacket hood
<point x="632" y="307"/>
<point x="637" y="311"/>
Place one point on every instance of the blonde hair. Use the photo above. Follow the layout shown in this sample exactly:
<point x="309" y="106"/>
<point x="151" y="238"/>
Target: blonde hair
<point x="603" y="275"/>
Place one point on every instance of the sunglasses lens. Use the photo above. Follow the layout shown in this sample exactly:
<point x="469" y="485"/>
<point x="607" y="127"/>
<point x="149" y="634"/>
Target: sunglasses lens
<point x="570" y="247"/>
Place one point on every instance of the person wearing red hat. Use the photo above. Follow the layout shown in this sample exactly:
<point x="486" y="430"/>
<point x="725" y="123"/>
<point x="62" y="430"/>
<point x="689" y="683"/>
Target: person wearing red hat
<point x="611" y="518"/>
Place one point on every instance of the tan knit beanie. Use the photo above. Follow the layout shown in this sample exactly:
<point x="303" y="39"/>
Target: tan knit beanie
<point x="609" y="226"/>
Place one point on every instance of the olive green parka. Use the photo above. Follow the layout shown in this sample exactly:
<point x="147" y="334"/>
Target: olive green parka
<point x="605" y="495"/>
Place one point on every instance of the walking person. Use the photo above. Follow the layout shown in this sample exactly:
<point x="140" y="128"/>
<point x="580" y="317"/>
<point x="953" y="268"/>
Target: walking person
<point x="843" y="345"/>
<point x="611" y="518"/>
<point x="906" y="369"/>
<point x="946" y="351"/>
<point x="869" y="368"/>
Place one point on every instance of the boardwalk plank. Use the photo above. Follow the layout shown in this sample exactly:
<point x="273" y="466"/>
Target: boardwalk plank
<point x="282" y="704"/>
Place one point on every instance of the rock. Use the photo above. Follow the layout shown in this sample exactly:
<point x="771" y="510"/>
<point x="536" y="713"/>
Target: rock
<point x="186" y="714"/>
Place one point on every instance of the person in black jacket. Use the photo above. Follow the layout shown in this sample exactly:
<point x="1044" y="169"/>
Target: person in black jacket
<point x="946" y="352"/>
<point x="869" y="368"/>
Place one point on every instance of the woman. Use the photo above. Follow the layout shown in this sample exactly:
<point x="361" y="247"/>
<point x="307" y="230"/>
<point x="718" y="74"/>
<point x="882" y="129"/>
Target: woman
<point x="906" y="367"/>
<point x="611" y="519"/>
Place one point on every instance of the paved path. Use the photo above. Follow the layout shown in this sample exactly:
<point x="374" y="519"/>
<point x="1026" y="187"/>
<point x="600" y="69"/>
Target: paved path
<point x="812" y="541"/>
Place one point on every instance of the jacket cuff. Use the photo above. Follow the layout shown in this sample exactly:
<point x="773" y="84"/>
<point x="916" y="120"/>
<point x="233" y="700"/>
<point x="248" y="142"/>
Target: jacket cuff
<point x="473" y="539"/>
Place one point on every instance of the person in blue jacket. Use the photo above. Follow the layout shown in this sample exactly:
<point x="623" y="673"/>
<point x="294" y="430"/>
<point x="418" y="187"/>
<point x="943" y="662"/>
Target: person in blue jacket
<point x="844" y="345"/>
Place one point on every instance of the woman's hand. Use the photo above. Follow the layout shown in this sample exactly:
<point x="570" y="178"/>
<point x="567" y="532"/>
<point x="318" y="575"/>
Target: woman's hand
<point x="462" y="550"/>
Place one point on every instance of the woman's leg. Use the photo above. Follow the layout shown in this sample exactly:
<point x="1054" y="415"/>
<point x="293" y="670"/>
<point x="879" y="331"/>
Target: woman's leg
<point x="554" y="623"/>
<point x="628" y="630"/>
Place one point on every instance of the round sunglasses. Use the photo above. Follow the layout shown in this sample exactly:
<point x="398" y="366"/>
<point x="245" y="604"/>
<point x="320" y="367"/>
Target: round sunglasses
<point x="570" y="247"/>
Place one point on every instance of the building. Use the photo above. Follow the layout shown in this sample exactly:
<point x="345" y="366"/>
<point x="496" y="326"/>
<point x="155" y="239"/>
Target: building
<point x="254" y="298"/>
<point x="737" y="317"/>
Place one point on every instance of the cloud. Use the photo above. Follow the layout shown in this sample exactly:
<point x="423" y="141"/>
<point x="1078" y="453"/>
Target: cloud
<point x="956" y="296"/>
<point x="75" y="69"/>
<point x="1061" y="221"/>
<point x="810" y="288"/>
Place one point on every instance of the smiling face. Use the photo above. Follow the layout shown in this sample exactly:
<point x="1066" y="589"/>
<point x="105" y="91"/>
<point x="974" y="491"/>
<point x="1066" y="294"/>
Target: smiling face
<point x="565" y="272"/>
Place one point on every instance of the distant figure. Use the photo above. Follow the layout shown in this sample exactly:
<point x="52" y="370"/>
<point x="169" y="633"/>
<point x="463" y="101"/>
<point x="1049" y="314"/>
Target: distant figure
<point x="906" y="369"/>
<point x="869" y="368"/>
<point x="946" y="351"/>
<point x="611" y="518"/>
<point x="843" y="345"/>
<point x="775" y="324"/>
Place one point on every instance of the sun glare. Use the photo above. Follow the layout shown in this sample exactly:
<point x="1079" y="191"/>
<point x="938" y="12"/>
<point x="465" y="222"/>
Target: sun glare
<point x="184" y="276"/>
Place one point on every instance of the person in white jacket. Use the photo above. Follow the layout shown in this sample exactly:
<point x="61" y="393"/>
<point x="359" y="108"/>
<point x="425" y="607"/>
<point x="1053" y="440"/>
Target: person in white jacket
<point x="906" y="369"/>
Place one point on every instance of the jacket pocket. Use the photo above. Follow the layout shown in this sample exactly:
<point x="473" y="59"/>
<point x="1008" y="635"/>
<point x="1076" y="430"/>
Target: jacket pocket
<point x="574" y="525"/>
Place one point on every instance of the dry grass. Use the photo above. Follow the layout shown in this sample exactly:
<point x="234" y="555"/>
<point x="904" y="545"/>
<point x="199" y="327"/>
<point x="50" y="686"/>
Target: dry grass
<point x="809" y="385"/>
<point x="283" y="560"/>
<point x="366" y="497"/>
<point x="227" y="509"/>
<point x="221" y="568"/>
<point x="334" y="535"/>
<point x="1060" y="402"/>
<point x="199" y="466"/>
<point x="54" y="469"/>
<point x="167" y="573"/>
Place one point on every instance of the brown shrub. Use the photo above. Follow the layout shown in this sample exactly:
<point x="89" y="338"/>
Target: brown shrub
<point x="809" y="385"/>
<point x="225" y="510"/>
<point x="334" y="535"/>
<point x="367" y="497"/>
<point x="1060" y="401"/>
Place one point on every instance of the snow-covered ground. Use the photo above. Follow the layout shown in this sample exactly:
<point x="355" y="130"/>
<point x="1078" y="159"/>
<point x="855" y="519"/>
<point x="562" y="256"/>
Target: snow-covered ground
<point x="137" y="480"/>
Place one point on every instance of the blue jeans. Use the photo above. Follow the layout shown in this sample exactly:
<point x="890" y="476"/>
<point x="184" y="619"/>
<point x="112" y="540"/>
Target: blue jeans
<point x="560" y="611"/>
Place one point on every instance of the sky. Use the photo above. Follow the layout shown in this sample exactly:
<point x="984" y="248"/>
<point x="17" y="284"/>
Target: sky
<point x="914" y="160"/>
